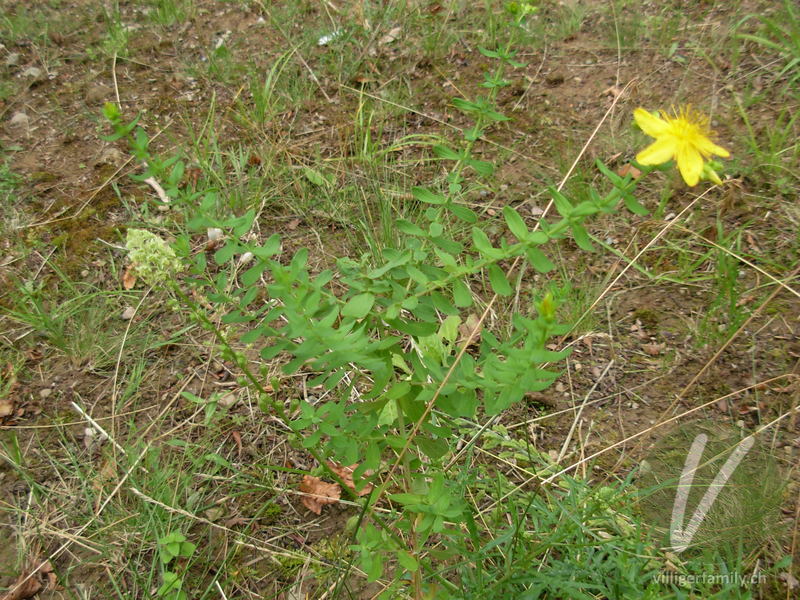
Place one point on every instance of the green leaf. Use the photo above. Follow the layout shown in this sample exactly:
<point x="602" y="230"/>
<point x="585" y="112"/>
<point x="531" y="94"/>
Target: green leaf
<point x="499" y="282"/>
<point x="388" y="414"/>
<point x="585" y="209"/>
<point x="462" y="297"/>
<point x="425" y="195"/>
<point x="582" y="238"/>
<point x="442" y="304"/>
<point x="415" y="328"/>
<point x="538" y="238"/>
<point x="253" y="274"/>
<point x="407" y="561"/>
<point x="445" y="152"/>
<point x="633" y="205"/>
<point x="244" y="223"/>
<point x="464" y="105"/>
<point x="483" y="245"/>
<point x="358" y="306"/>
<point x="481" y="167"/>
<point x="315" y="177"/>
<point x="515" y="223"/>
<point x="432" y="448"/>
<point x="447" y="245"/>
<point x="473" y="133"/>
<point x="448" y="330"/>
<point x="462" y="403"/>
<point x="563" y="206"/>
<point x="462" y="212"/>
<point x="539" y="261"/>
<point x="270" y="247"/>
<point x="408" y="227"/>
<point x="226" y="253"/>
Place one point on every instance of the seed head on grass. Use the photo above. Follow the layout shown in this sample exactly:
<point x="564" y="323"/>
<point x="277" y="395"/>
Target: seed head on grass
<point x="684" y="136"/>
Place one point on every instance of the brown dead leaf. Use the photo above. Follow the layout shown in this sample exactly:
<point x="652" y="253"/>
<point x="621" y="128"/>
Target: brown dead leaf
<point x="128" y="278"/>
<point x="237" y="437"/>
<point x="346" y="473"/>
<point x="6" y="407"/>
<point x="654" y="349"/>
<point x="235" y="522"/>
<point x="317" y="493"/>
<point x="293" y="224"/>
<point x="465" y="329"/>
<point x="48" y="572"/>
<point x="391" y="36"/>
<point x="26" y="586"/>
<point x="629" y="169"/>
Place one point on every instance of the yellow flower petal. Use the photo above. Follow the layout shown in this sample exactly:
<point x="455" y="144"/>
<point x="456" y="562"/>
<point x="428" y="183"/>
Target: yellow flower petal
<point x="658" y="152"/>
<point x="690" y="163"/>
<point x="650" y="124"/>
<point x="709" y="148"/>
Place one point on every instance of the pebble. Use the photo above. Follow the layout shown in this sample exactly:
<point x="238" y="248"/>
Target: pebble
<point x="34" y="73"/>
<point x="12" y="60"/>
<point x="228" y="400"/>
<point x="110" y="156"/>
<point x="128" y="313"/>
<point x="20" y="122"/>
<point x="45" y="393"/>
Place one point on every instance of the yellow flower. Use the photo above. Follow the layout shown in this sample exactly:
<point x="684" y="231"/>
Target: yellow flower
<point x="684" y="137"/>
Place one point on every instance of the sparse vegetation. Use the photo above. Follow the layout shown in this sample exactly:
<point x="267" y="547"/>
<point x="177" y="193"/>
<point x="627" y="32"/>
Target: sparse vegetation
<point x="355" y="300"/>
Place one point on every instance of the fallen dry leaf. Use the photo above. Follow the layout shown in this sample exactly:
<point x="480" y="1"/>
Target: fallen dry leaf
<point x="27" y="586"/>
<point x="128" y="278"/>
<point x="346" y="473"/>
<point x="465" y="329"/>
<point x="629" y="169"/>
<point x="391" y="36"/>
<point x="613" y="91"/>
<point x="653" y="349"/>
<point x="47" y="571"/>
<point x="317" y="493"/>
<point x="6" y="407"/>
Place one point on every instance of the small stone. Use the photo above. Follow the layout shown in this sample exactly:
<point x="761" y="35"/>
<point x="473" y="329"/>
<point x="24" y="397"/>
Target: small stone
<point x="228" y="400"/>
<point x="34" y="73"/>
<point x="12" y="60"/>
<point x="45" y="393"/>
<point x="20" y="123"/>
<point x="110" y="156"/>
<point x="128" y="313"/>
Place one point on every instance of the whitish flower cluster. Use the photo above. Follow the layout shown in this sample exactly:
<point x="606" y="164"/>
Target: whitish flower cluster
<point x="151" y="258"/>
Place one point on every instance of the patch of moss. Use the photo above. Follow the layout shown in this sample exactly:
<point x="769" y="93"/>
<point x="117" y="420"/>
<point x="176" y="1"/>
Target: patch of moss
<point x="288" y="567"/>
<point x="648" y="317"/>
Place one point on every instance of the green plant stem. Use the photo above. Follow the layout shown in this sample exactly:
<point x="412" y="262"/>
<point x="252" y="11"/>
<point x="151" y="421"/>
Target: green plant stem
<point x="275" y="406"/>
